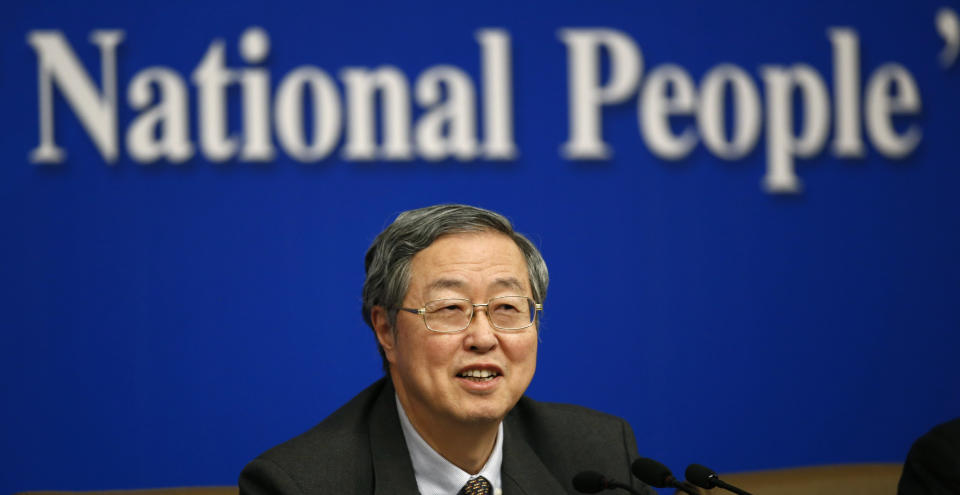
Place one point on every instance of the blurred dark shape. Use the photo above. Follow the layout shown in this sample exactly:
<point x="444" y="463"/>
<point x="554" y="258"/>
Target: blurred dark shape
<point x="933" y="464"/>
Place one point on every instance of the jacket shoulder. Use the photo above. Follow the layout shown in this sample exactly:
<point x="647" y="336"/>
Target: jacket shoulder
<point x="333" y="456"/>
<point x="568" y="421"/>
<point x="570" y="439"/>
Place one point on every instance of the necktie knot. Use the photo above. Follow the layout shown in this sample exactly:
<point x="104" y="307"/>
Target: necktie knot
<point x="477" y="486"/>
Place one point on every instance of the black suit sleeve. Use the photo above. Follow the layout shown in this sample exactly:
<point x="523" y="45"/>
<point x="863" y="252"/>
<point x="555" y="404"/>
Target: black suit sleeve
<point x="264" y="477"/>
<point x="630" y="447"/>
<point x="933" y="464"/>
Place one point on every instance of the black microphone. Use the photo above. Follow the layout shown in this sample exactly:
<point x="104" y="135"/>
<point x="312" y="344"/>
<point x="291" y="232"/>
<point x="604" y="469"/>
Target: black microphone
<point x="656" y="474"/>
<point x="594" y="482"/>
<point x="703" y="477"/>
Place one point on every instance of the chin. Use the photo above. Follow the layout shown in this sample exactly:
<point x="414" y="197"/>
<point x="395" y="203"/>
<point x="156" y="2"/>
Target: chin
<point x="482" y="419"/>
<point x="480" y="415"/>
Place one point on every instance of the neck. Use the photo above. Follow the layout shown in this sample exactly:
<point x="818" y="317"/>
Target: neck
<point x="467" y="446"/>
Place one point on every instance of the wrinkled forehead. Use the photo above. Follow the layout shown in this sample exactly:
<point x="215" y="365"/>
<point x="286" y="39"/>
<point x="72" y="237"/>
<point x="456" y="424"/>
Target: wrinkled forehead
<point x="507" y="282"/>
<point x="461" y="261"/>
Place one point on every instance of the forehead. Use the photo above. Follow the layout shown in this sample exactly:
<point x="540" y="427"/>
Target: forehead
<point x="469" y="260"/>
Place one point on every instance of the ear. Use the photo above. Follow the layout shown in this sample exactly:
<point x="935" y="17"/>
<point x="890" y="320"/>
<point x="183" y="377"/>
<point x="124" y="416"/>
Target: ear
<point x="385" y="333"/>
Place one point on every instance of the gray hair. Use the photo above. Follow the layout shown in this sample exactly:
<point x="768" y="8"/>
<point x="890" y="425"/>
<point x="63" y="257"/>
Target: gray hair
<point x="388" y="259"/>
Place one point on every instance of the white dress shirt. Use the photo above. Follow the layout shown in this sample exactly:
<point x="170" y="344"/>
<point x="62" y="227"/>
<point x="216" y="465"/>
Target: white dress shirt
<point x="438" y="476"/>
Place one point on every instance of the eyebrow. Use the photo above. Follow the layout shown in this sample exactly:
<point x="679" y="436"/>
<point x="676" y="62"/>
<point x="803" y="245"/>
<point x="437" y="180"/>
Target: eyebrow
<point x="452" y="283"/>
<point x="445" y="283"/>
<point x="508" y="282"/>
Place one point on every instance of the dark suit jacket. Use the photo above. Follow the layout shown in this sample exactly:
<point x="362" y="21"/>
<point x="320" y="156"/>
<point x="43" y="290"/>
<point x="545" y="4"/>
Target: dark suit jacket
<point x="933" y="464"/>
<point x="360" y="449"/>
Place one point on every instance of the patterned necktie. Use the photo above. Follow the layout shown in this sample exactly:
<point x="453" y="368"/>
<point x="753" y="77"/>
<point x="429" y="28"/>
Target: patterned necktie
<point x="477" y="486"/>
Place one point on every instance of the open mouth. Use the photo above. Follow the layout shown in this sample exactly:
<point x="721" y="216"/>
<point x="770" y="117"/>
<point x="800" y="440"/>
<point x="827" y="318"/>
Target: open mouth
<point x="478" y="375"/>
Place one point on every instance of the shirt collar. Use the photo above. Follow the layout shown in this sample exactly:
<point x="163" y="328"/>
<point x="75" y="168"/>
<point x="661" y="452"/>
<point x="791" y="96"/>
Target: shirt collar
<point x="438" y="476"/>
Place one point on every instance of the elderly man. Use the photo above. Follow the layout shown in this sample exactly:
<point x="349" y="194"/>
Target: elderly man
<point x="453" y="296"/>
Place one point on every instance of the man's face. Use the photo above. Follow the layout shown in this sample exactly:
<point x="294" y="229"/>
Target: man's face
<point x="428" y="368"/>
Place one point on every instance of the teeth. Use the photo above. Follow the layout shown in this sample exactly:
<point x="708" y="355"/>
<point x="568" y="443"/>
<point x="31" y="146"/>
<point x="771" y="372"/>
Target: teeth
<point x="478" y="374"/>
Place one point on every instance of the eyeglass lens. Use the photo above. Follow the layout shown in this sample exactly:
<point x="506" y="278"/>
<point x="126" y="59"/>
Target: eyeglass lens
<point x="506" y="313"/>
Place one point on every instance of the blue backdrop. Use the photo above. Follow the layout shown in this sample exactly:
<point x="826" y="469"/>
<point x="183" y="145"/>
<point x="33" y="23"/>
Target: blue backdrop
<point x="164" y="322"/>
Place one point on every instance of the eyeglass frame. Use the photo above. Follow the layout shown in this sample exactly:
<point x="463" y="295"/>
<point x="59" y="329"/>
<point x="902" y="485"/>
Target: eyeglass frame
<point x="473" y="312"/>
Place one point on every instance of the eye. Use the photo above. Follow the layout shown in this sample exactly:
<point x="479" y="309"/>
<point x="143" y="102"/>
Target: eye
<point x="505" y="307"/>
<point x="446" y="307"/>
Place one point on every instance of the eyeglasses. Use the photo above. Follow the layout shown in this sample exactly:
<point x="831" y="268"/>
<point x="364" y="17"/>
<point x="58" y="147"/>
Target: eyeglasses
<point x="508" y="313"/>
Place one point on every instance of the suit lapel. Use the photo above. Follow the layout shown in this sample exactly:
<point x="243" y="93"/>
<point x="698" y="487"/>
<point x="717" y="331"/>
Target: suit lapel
<point x="392" y="469"/>
<point x="523" y="473"/>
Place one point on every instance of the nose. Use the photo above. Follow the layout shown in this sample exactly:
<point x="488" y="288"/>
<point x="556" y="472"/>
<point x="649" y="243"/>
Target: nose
<point x="480" y="334"/>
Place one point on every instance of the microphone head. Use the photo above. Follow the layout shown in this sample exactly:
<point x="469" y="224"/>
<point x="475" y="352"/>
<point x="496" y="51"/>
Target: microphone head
<point x="701" y="476"/>
<point x="589" y="482"/>
<point x="651" y="472"/>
